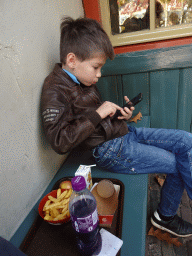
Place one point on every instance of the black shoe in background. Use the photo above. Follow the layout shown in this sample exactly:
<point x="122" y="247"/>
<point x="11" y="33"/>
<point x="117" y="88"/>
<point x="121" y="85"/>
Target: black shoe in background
<point x="175" y="226"/>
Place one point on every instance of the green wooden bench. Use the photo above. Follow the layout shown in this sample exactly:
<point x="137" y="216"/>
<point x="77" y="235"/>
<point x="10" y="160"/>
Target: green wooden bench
<point x="164" y="77"/>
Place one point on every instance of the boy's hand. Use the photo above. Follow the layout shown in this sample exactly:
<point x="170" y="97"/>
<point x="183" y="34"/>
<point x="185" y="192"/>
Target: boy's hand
<point x="126" y="112"/>
<point x="108" y="109"/>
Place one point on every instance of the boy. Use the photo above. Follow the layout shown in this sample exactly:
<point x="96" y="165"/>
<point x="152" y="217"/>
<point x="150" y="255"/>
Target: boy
<point x="73" y="114"/>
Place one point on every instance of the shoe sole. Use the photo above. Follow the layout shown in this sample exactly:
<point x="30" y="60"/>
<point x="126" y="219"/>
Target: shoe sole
<point x="165" y="229"/>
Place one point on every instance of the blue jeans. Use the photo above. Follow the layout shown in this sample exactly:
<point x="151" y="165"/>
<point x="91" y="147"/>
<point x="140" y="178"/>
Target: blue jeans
<point x="148" y="150"/>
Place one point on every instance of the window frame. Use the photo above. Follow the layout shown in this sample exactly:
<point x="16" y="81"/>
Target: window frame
<point x="142" y="36"/>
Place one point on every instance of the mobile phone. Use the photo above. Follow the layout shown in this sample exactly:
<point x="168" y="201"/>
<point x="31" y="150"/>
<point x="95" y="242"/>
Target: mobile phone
<point x="130" y="104"/>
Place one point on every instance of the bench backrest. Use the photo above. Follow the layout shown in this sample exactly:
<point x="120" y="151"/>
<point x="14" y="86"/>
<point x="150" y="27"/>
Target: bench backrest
<point x="164" y="76"/>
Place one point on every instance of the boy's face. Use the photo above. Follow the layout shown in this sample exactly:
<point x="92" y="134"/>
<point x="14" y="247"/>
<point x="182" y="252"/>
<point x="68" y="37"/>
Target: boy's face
<point x="88" y="71"/>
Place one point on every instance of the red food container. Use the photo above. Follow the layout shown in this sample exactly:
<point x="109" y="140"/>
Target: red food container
<point x="42" y="203"/>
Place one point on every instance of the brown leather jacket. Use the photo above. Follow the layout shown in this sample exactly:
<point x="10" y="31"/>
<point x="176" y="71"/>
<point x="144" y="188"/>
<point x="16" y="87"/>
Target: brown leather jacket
<point x="69" y="114"/>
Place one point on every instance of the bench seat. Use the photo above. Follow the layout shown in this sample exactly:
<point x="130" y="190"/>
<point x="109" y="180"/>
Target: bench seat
<point x="135" y="197"/>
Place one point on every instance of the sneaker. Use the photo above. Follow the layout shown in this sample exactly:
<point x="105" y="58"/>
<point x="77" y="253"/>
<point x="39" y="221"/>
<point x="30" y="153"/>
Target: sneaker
<point x="175" y="226"/>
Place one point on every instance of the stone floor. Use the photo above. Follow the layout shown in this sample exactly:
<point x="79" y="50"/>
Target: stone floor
<point x="156" y="247"/>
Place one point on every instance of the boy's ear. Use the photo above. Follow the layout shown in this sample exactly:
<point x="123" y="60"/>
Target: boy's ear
<point x="71" y="60"/>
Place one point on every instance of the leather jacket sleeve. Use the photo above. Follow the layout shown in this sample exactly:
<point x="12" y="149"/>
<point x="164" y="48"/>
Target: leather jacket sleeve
<point x="63" y="128"/>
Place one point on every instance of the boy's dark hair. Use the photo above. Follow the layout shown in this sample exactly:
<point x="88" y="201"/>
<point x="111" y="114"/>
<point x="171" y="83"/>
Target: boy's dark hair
<point x="83" y="37"/>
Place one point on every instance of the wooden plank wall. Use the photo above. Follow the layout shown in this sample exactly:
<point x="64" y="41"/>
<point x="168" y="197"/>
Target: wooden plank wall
<point x="164" y="76"/>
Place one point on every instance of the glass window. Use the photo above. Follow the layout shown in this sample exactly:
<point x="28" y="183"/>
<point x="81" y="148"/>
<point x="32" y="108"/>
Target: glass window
<point x="132" y="15"/>
<point x="126" y="20"/>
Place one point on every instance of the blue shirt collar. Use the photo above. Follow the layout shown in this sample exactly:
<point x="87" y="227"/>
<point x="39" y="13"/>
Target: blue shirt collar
<point x="72" y="76"/>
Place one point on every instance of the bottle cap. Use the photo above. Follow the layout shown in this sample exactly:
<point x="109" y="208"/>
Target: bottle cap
<point x="78" y="183"/>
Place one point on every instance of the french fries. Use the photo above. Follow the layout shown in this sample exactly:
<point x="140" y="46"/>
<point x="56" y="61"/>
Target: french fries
<point x="57" y="208"/>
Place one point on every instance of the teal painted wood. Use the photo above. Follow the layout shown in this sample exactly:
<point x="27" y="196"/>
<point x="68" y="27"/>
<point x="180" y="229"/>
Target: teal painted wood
<point x="120" y="91"/>
<point x="134" y="84"/>
<point x="164" y="98"/>
<point x="185" y="100"/>
<point x="152" y="60"/>
<point x="111" y="89"/>
<point x="24" y="228"/>
<point x="164" y="78"/>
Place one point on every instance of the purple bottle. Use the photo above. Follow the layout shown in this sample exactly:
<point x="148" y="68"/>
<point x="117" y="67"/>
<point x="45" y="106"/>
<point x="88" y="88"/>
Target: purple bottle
<point x="84" y="217"/>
